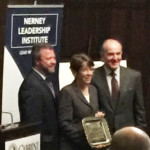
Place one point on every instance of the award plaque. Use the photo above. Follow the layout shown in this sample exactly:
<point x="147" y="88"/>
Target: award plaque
<point x="96" y="131"/>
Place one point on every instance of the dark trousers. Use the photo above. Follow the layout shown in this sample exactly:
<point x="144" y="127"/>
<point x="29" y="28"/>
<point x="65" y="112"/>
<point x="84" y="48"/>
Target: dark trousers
<point x="49" y="146"/>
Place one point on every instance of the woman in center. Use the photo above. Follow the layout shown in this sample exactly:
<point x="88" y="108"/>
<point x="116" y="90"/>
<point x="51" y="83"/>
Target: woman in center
<point x="77" y="101"/>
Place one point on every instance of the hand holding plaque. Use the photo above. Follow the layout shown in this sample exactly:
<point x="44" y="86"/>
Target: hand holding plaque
<point x="96" y="131"/>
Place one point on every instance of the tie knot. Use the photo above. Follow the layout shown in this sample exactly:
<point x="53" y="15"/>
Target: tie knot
<point x="49" y="82"/>
<point x="47" y="79"/>
<point x="50" y="85"/>
<point x="113" y="74"/>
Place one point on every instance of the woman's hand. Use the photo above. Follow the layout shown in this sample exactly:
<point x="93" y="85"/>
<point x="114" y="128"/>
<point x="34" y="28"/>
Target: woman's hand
<point x="99" y="146"/>
<point x="99" y="114"/>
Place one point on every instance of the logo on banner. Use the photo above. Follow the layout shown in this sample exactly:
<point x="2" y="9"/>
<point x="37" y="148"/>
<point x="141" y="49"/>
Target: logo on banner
<point x="26" y="26"/>
<point x="33" y="28"/>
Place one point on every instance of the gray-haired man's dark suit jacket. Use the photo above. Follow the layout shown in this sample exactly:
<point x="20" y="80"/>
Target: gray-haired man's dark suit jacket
<point x="129" y="110"/>
<point x="37" y="104"/>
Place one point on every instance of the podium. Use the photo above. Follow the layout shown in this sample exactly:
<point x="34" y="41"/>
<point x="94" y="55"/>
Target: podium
<point x="19" y="132"/>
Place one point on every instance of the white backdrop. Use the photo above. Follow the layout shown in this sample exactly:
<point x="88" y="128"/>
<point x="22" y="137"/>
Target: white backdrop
<point x="66" y="77"/>
<point x="12" y="80"/>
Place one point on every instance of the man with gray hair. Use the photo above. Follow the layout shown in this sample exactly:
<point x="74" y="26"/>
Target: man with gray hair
<point x="119" y="89"/>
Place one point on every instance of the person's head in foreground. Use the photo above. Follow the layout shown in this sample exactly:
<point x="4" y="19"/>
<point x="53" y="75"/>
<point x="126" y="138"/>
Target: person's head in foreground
<point x="130" y="138"/>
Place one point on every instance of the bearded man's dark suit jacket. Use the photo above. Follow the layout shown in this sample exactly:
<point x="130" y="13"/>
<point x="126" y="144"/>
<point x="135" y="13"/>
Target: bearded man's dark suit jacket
<point x="129" y="110"/>
<point x="73" y="107"/>
<point x="37" y="105"/>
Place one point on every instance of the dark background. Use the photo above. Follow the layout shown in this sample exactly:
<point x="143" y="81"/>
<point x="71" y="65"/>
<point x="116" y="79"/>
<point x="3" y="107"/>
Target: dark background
<point x="87" y="23"/>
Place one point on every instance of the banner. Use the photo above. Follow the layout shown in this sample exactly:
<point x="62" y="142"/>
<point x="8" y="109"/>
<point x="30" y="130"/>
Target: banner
<point x="26" y="25"/>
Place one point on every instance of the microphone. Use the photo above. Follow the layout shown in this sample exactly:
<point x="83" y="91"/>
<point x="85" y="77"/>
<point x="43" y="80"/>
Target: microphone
<point x="35" y="2"/>
<point x="89" y="44"/>
<point x="12" y="125"/>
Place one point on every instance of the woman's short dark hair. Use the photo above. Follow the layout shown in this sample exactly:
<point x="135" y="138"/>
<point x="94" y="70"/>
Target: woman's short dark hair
<point x="79" y="60"/>
<point x="36" y="51"/>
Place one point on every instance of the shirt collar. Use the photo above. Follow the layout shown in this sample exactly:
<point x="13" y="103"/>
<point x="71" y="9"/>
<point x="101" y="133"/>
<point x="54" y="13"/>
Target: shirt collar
<point x="108" y="71"/>
<point x="43" y="76"/>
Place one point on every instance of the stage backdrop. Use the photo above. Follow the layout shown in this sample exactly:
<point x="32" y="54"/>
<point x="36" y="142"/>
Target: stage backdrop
<point x="26" y="25"/>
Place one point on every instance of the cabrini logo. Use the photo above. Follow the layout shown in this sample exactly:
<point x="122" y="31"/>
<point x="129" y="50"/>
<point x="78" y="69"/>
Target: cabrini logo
<point x="31" y="146"/>
<point x="12" y="147"/>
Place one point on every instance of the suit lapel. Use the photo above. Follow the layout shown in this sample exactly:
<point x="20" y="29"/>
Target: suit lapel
<point x="123" y="82"/>
<point x="93" y="98"/>
<point x="80" y="95"/>
<point x="104" y="85"/>
<point x="43" y="82"/>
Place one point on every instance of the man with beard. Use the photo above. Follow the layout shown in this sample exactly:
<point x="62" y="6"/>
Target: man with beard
<point x="119" y="89"/>
<point x="36" y="97"/>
